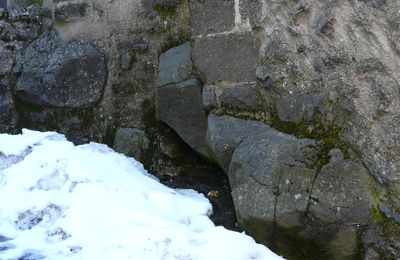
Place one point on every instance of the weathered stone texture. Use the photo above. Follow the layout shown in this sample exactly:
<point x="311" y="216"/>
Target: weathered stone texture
<point x="211" y="16"/>
<point x="60" y="74"/>
<point x="230" y="57"/>
<point x="180" y="107"/>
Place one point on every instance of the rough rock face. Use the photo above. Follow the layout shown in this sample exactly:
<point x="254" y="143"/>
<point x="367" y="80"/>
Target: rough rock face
<point x="180" y="107"/>
<point x="17" y="29"/>
<point x="131" y="142"/>
<point x="297" y="101"/>
<point x="59" y="74"/>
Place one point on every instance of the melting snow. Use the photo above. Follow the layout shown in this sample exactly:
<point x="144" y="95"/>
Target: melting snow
<point x="60" y="201"/>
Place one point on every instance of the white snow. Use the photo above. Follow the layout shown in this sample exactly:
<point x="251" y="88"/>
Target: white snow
<point x="60" y="201"/>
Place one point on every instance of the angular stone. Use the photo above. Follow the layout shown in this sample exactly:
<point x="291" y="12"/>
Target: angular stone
<point x="68" y="11"/>
<point x="342" y="192"/>
<point x="175" y="65"/>
<point x="180" y="107"/>
<point x="271" y="178"/>
<point x="60" y="74"/>
<point x="240" y="96"/>
<point x="230" y="57"/>
<point x="294" y="108"/>
<point x="211" y="16"/>
<point x="131" y="142"/>
<point x="225" y="133"/>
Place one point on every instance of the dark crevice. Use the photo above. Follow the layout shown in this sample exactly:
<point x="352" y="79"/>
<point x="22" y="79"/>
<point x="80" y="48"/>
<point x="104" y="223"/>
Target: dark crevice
<point x="310" y="198"/>
<point x="274" y="226"/>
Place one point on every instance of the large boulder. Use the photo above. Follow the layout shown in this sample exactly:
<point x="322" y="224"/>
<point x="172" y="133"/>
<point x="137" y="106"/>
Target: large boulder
<point x="60" y="74"/>
<point x="286" y="198"/>
<point x="271" y="176"/>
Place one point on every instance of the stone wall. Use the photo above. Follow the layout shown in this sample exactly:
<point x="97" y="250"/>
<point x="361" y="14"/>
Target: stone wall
<point x="297" y="101"/>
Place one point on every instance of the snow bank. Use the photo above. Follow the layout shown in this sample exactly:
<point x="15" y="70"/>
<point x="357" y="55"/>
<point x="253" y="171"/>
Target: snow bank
<point x="60" y="201"/>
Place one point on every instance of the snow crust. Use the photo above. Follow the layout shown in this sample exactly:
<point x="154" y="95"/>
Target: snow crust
<point x="60" y="201"/>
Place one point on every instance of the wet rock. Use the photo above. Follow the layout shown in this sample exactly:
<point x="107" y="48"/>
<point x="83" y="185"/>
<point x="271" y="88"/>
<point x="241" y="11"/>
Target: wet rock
<point x="225" y="133"/>
<point x="175" y="65"/>
<point x="231" y="57"/>
<point x="211" y="16"/>
<point x="131" y="142"/>
<point x="180" y="107"/>
<point x="66" y="11"/>
<point x="60" y="74"/>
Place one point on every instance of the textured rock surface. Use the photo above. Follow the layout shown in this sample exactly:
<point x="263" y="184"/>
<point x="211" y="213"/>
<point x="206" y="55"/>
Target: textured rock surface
<point x="271" y="178"/>
<point x="175" y="65"/>
<point x="180" y="107"/>
<point x="225" y="133"/>
<point x="60" y="74"/>
<point x="323" y="73"/>
<point x="131" y="142"/>
<point x="68" y="11"/>
<point x="211" y="16"/>
<point x="231" y="57"/>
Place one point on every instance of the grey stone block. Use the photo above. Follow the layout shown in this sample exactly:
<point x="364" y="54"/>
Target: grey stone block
<point x="211" y="16"/>
<point x="175" y="65"/>
<point x="231" y="57"/>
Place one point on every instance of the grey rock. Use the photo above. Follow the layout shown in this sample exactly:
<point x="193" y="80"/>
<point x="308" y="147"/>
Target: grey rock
<point x="240" y="96"/>
<point x="231" y="57"/>
<point x="7" y="110"/>
<point x="60" y="74"/>
<point x="209" y="98"/>
<point x="225" y="133"/>
<point x="180" y="107"/>
<point x="294" y="108"/>
<point x="342" y="192"/>
<point x="3" y="4"/>
<point x="124" y="88"/>
<point x="6" y="59"/>
<point x="151" y="5"/>
<point x="68" y="11"/>
<point x="271" y="178"/>
<point x="131" y="142"/>
<point x="237" y="96"/>
<point x="211" y="16"/>
<point x="175" y="65"/>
